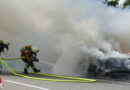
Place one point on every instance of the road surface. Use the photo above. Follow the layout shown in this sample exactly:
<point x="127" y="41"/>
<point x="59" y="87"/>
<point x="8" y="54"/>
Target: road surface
<point x="12" y="82"/>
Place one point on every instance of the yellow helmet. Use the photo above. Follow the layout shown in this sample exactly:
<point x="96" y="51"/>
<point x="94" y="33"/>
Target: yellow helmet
<point x="1" y="41"/>
<point x="28" y="47"/>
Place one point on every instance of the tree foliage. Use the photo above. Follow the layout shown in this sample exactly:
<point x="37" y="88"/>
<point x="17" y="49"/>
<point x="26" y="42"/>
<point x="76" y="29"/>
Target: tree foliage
<point x="127" y="2"/>
<point x="116" y="3"/>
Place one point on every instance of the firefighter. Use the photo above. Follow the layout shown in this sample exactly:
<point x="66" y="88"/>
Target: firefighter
<point x="3" y="45"/>
<point x="28" y="54"/>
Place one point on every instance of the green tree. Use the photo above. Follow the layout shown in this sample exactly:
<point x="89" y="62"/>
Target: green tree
<point x="115" y="3"/>
<point x="126" y="3"/>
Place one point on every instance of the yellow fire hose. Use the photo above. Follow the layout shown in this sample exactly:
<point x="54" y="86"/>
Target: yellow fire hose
<point x="74" y="79"/>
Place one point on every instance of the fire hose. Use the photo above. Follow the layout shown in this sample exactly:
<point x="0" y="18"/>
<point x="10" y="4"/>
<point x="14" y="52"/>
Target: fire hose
<point x="71" y="79"/>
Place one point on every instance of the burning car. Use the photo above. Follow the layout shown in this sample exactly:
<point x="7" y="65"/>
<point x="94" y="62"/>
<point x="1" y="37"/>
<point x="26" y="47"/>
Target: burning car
<point x="110" y="67"/>
<point x="101" y="63"/>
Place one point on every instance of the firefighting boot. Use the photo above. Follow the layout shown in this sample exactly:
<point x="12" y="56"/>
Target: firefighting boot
<point x="36" y="70"/>
<point x="25" y="71"/>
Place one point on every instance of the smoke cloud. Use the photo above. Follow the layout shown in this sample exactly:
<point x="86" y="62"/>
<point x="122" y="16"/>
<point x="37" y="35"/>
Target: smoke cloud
<point x="65" y="31"/>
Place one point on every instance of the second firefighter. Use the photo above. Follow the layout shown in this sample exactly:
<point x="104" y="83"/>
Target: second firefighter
<point x="28" y="55"/>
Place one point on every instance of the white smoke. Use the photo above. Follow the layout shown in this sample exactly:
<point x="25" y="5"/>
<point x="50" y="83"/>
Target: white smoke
<point x="64" y="30"/>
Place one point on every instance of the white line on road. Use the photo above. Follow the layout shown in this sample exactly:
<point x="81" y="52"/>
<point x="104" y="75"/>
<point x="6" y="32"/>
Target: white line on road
<point x="27" y="85"/>
<point x="116" y="82"/>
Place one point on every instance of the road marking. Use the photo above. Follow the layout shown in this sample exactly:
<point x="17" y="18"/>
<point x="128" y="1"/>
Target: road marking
<point x="114" y="82"/>
<point x="26" y="85"/>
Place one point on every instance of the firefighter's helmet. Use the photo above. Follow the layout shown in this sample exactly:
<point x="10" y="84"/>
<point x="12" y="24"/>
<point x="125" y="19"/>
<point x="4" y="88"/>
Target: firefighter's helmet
<point x="1" y="41"/>
<point x="28" y="47"/>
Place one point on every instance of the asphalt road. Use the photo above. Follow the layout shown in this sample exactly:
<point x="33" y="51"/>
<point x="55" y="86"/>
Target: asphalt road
<point x="12" y="82"/>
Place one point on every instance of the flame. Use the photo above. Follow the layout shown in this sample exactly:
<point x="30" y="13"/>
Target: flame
<point x="124" y="49"/>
